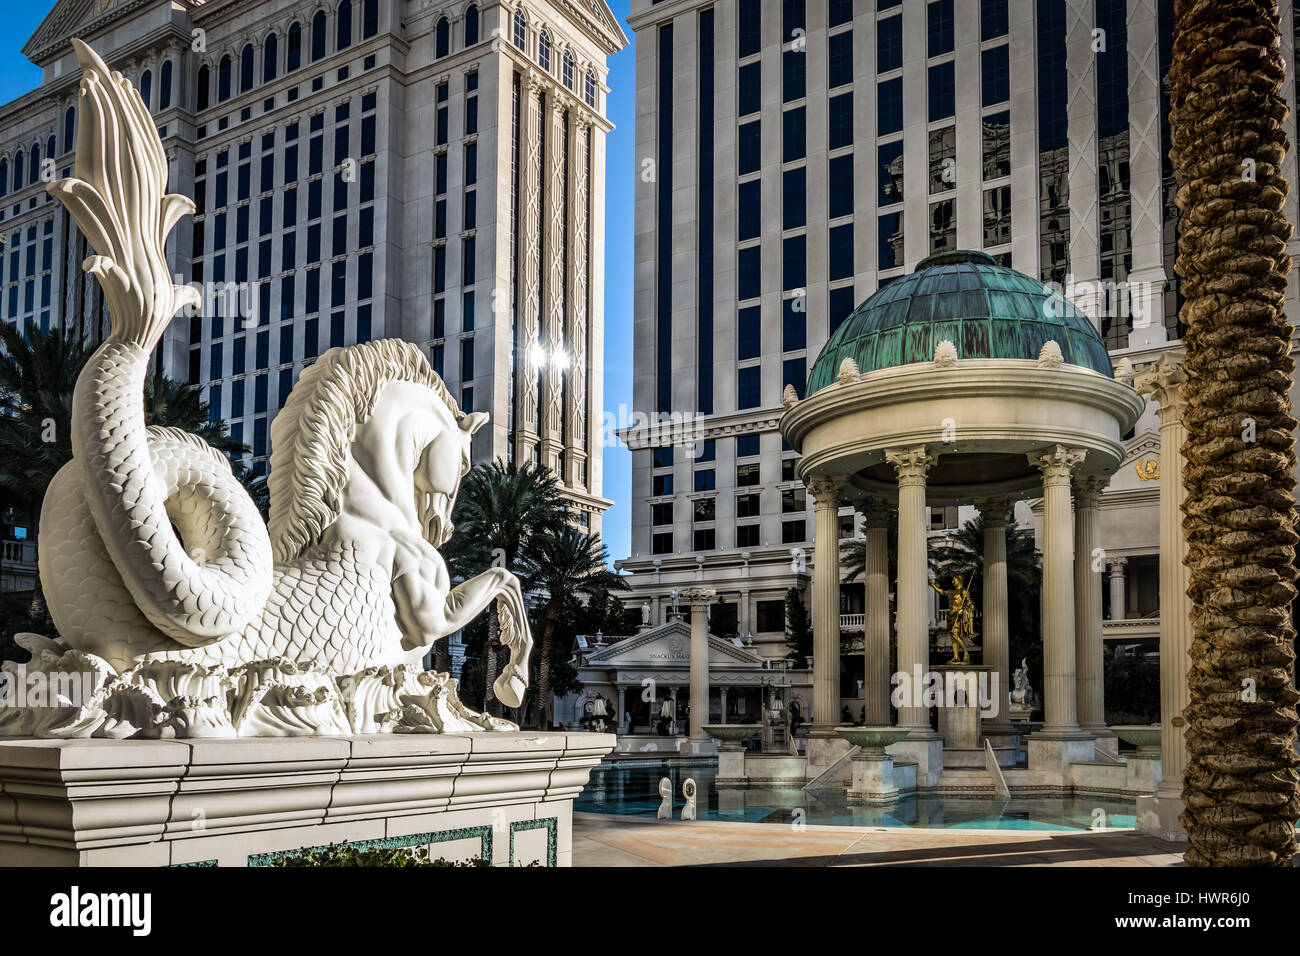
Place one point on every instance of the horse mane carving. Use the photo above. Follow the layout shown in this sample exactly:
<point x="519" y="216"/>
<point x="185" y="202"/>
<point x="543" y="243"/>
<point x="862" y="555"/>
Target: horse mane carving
<point x="311" y="434"/>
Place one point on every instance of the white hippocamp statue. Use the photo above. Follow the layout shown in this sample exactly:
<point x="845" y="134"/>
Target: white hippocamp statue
<point x="178" y="610"/>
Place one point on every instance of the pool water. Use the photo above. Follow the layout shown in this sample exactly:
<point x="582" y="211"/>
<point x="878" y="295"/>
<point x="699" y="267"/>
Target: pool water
<point x="634" y="791"/>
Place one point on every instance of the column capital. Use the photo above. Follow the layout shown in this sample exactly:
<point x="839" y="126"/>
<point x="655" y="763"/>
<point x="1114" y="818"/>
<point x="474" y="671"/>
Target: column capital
<point x="825" y="490"/>
<point x="875" y="512"/>
<point x="1162" y="381"/>
<point x="698" y="597"/>
<point x="996" y="512"/>
<point x="1117" y="566"/>
<point x="912" y="464"/>
<point x="1088" y="489"/>
<point x="1057" y="463"/>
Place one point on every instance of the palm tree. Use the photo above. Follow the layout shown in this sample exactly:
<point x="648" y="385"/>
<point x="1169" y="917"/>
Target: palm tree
<point x="1240" y="787"/>
<point x="38" y="371"/>
<point x="499" y="509"/>
<point x="564" y="564"/>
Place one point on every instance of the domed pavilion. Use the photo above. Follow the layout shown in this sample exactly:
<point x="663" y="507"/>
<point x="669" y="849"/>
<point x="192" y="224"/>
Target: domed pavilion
<point x="963" y="383"/>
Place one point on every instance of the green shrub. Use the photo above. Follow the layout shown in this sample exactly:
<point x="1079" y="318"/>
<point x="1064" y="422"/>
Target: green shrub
<point x="340" y="854"/>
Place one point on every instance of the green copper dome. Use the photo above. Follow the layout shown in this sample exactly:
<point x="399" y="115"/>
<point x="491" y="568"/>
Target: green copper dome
<point x="986" y="310"/>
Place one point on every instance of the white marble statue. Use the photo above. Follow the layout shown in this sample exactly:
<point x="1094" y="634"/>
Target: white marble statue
<point x="666" y="803"/>
<point x="688" y="791"/>
<point x="645" y="613"/>
<point x="160" y="575"/>
<point x="1022" y="694"/>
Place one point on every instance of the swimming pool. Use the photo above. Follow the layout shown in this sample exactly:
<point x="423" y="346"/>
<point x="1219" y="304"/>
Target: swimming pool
<point x="634" y="790"/>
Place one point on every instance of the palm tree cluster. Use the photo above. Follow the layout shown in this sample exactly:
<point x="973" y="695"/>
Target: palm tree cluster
<point x="38" y="371"/>
<point x="1227" y="112"/>
<point x="515" y="518"/>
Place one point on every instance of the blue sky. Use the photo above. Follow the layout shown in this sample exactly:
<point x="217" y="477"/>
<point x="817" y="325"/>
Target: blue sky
<point x="19" y="76"/>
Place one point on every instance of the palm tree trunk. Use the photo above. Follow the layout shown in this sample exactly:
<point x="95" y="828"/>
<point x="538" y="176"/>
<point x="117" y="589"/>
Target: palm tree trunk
<point x="1240" y="787"/>
<point x="549" y="624"/>
<point x="490" y="705"/>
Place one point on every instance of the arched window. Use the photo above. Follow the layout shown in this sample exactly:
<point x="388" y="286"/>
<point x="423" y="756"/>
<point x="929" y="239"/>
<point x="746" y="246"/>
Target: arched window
<point x="4" y="177"/>
<point x="246" y="68"/>
<point x="589" y="88"/>
<point x="369" y="19"/>
<point x="442" y="39"/>
<point x="567" y="73"/>
<point x="471" y="24"/>
<point x="293" y="49"/>
<point x="35" y="171"/>
<point x="69" y="127"/>
<point x="318" y="36"/>
<point x="521" y="30"/>
<point x="18" y="170"/>
<point x="270" y="58"/>
<point x="146" y="89"/>
<point x="343" y="32"/>
<point x="203" y="88"/>
<point x="165" y="85"/>
<point x="223" y="80"/>
<point x="50" y="149"/>
<point x="544" y="51"/>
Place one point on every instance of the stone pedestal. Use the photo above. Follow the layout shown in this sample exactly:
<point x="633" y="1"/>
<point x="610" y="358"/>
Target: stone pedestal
<point x="506" y="797"/>
<point x="1054" y="752"/>
<point x="925" y="749"/>
<point x="872" y="766"/>
<point x="824" y="749"/>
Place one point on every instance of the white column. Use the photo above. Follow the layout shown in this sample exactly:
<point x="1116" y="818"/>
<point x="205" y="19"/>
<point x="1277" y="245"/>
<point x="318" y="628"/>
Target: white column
<point x="530" y="291"/>
<point x="1088" y="563"/>
<point x="1060" y="709"/>
<point x="622" y="709"/>
<point x="699" y="599"/>
<point x="913" y="590"/>
<point x="997" y="646"/>
<point x="825" y="490"/>
<point x="576" y="451"/>
<point x="1117" y="595"/>
<point x="555" y="276"/>
<point x="722" y="705"/>
<point x="875" y="644"/>
<point x="1163" y="382"/>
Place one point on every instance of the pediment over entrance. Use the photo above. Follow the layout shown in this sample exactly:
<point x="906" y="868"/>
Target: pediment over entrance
<point x="669" y="644"/>
<point x="1141" y="458"/>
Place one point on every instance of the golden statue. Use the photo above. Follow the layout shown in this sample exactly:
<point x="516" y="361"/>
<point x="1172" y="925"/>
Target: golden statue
<point x="961" y="616"/>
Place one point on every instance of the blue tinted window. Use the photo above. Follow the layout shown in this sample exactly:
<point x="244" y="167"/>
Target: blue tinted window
<point x="749" y="20"/>
<point x="890" y="160"/>
<point x="794" y="198"/>
<point x="939" y="21"/>
<point x="794" y="325"/>
<point x="943" y="91"/>
<point x="749" y="275"/>
<point x="794" y="372"/>
<point x="749" y="390"/>
<point x="794" y="263"/>
<point x="840" y="121"/>
<point x="793" y="137"/>
<point x="749" y="149"/>
<point x="889" y="44"/>
<point x="840" y="187"/>
<point x="749" y="334"/>
<point x="840" y="60"/>
<point x="993" y="19"/>
<point x="793" y="75"/>
<point x="889" y="107"/>
<point x="750" y="89"/>
<point x="748" y="211"/>
<point x="841" y="252"/>
<point x="995" y="76"/>
<point x="746" y="446"/>
<point x="890" y="242"/>
<point x="838" y="308"/>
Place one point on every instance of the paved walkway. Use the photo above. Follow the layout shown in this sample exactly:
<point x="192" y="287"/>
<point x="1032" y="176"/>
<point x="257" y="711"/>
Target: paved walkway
<point x="601" y="839"/>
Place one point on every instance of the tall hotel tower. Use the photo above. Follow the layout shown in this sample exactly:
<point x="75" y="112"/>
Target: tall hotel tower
<point x="795" y="156"/>
<point x="426" y="170"/>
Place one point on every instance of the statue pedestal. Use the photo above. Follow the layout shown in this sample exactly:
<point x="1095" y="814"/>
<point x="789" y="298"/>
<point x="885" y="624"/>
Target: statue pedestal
<point x="507" y="797"/>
